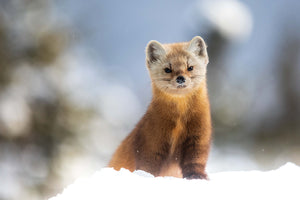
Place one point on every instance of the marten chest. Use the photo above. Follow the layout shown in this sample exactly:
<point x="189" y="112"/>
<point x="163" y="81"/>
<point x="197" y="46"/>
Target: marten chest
<point x="171" y="163"/>
<point x="177" y="134"/>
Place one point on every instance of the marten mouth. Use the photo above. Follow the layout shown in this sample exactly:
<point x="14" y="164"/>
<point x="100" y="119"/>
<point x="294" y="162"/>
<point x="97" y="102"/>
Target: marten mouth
<point x="181" y="86"/>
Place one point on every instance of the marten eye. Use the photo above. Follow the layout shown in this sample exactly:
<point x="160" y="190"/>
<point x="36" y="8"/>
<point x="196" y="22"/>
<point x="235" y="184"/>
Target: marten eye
<point x="168" y="70"/>
<point x="190" y="68"/>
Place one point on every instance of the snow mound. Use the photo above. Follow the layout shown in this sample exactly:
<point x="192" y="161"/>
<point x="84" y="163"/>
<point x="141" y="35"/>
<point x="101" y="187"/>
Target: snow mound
<point x="283" y="183"/>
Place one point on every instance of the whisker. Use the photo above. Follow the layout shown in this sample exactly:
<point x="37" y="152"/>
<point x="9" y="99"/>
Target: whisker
<point x="198" y="76"/>
<point x="161" y="79"/>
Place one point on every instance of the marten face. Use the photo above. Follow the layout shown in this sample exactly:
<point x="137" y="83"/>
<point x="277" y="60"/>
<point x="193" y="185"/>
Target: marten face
<point x="177" y="68"/>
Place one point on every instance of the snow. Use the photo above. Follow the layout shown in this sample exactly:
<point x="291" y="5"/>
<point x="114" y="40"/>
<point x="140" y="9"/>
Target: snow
<point x="283" y="183"/>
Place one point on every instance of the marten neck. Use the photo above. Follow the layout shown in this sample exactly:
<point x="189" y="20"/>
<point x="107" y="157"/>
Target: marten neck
<point x="180" y="103"/>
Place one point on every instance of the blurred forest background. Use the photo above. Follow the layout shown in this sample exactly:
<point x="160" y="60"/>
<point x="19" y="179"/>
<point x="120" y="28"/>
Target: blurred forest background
<point x="73" y="83"/>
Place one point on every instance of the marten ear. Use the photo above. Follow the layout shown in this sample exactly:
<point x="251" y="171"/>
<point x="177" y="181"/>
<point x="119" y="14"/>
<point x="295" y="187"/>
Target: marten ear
<point x="198" y="47"/>
<point x="154" y="51"/>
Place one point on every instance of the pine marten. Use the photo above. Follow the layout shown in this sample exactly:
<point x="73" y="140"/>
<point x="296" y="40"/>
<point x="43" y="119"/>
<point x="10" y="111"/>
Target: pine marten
<point x="173" y="137"/>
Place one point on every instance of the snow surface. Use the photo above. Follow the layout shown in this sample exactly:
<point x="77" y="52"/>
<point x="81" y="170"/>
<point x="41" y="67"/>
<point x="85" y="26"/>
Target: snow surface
<point x="283" y="183"/>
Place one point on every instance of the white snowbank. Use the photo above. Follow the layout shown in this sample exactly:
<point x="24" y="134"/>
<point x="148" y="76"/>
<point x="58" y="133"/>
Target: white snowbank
<point x="283" y="183"/>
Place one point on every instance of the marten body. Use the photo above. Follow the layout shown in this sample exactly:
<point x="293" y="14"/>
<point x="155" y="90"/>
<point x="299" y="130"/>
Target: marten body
<point x="173" y="137"/>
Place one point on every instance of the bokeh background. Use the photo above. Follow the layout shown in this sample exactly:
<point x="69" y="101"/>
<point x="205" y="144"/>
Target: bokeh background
<point x="73" y="83"/>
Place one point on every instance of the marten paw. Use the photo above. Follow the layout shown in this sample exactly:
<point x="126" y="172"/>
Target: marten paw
<point x="196" y="176"/>
<point x="194" y="171"/>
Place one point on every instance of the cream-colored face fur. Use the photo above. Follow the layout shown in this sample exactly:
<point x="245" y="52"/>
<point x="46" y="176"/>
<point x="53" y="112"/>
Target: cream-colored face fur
<point x="177" y="68"/>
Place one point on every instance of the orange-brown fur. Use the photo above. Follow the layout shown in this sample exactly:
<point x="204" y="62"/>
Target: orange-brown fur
<point x="173" y="137"/>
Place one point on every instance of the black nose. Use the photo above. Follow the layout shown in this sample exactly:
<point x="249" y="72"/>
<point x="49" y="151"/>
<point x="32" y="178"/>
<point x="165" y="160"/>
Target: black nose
<point x="180" y="79"/>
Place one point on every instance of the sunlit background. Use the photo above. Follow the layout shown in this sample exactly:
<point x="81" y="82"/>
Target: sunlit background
<point x="73" y="83"/>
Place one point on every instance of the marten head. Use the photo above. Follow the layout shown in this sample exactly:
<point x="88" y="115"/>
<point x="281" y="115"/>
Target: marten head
<point x="177" y="68"/>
